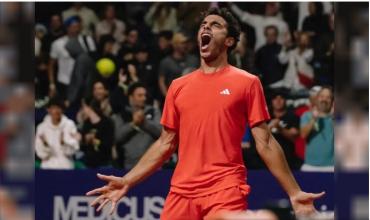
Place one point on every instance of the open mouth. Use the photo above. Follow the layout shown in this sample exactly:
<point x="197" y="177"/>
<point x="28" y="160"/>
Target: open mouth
<point x="205" y="40"/>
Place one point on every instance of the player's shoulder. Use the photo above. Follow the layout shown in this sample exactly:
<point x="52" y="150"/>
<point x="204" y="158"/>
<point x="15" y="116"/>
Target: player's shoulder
<point x="242" y="74"/>
<point x="185" y="78"/>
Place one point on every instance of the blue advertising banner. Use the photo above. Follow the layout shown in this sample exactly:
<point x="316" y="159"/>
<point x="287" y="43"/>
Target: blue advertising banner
<point x="60" y="195"/>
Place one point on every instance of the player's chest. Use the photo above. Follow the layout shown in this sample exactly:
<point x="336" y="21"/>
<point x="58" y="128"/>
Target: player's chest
<point x="209" y="99"/>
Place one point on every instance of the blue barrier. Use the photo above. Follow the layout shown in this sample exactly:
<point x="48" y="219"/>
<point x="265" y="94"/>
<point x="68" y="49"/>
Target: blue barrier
<point x="60" y="194"/>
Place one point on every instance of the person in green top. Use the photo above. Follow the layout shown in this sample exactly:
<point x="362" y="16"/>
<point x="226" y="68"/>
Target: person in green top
<point x="317" y="127"/>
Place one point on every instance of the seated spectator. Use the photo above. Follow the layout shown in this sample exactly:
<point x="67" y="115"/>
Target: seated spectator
<point x="299" y="75"/>
<point x="57" y="139"/>
<point x="284" y="127"/>
<point x="260" y="22"/>
<point x="110" y="25"/>
<point x="126" y="53"/>
<point x="267" y="61"/>
<point x="242" y="56"/>
<point x="88" y="16"/>
<point x="177" y="64"/>
<point x="146" y="72"/>
<point x="136" y="127"/>
<point x="317" y="127"/>
<point x="163" y="46"/>
<point x="97" y="129"/>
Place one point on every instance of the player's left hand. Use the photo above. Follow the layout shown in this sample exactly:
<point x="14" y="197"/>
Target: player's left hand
<point x="302" y="203"/>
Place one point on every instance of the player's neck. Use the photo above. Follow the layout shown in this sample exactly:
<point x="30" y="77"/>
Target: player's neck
<point x="214" y="65"/>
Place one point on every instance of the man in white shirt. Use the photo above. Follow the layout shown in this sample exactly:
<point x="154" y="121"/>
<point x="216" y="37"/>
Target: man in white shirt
<point x="61" y="57"/>
<point x="260" y="22"/>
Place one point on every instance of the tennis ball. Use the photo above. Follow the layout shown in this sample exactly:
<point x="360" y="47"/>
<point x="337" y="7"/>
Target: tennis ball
<point x="105" y="67"/>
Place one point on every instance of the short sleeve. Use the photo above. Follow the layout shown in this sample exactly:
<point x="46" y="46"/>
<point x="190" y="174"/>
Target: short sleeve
<point x="305" y="118"/>
<point x="256" y="104"/>
<point x="53" y="51"/>
<point x="170" y="117"/>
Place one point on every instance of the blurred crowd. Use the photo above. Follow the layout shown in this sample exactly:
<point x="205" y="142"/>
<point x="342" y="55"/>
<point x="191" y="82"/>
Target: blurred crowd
<point x="94" y="116"/>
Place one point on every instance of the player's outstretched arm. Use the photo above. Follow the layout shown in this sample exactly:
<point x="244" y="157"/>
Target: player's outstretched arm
<point x="117" y="187"/>
<point x="273" y="156"/>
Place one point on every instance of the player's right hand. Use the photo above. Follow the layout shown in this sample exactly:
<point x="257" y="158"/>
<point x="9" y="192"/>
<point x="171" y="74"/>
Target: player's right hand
<point x="113" y="191"/>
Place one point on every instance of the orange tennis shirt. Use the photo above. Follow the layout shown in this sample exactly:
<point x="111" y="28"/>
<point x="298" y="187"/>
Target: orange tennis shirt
<point x="210" y="113"/>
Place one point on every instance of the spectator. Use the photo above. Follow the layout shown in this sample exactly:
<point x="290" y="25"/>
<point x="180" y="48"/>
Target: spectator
<point x="242" y="56"/>
<point x="324" y="55"/>
<point x="127" y="75"/>
<point x="317" y="128"/>
<point x="316" y="23"/>
<point x="146" y="72"/>
<point x="260" y="22"/>
<point x="97" y="129"/>
<point x="88" y="17"/>
<point x="284" y="126"/>
<point x="267" y="60"/>
<point x="110" y="25"/>
<point x="57" y="139"/>
<point x="136" y="127"/>
<point x="177" y="64"/>
<point x="126" y="53"/>
<point x="55" y="31"/>
<point x="64" y="50"/>
<point x="162" y="17"/>
<point x="41" y="79"/>
<point x="163" y="46"/>
<point x="299" y="74"/>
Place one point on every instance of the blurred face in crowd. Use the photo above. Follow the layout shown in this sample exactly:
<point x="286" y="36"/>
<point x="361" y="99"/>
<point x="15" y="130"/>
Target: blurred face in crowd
<point x="99" y="91"/>
<point x="272" y="8"/>
<point x="108" y="47"/>
<point x="331" y="21"/>
<point x="74" y="29"/>
<point x="55" y="22"/>
<point x="278" y="103"/>
<point x="55" y="113"/>
<point x="271" y="35"/>
<point x="180" y="47"/>
<point x="311" y="8"/>
<point x="138" y="97"/>
<point x="303" y="40"/>
<point x="325" y="100"/>
<point x="212" y="37"/>
<point x="110" y="12"/>
<point x="141" y="56"/>
<point x="133" y="37"/>
<point x="164" y="43"/>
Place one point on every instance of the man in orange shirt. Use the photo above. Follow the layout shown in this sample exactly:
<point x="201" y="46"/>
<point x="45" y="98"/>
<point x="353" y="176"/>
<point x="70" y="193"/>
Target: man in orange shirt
<point x="204" y="115"/>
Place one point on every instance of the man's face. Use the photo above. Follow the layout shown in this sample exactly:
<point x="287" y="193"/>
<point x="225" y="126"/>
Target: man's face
<point x="55" y="113"/>
<point x="212" y="37"/>
<point x="55" y="22"/>
<point x="141" y="56"/>
<point x="110" y="13"/>
<point x="271" y="35"/>
<point x="278" y="103"/>
<point x="304" y="40"/>
<point x="164" y="43"/>
<point x="325" y="100"/>
<point x="133" y="37"/>
<point x="180" y="47"/>
<point x="99" y="92"/>
<point x="138" y="97"/>
<point x="74" y="29"/>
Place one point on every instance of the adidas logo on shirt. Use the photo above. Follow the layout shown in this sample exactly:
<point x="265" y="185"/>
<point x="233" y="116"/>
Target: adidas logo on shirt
<point x="225" y="92"/>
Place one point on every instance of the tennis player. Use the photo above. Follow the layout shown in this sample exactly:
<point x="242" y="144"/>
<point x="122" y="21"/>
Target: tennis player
<point x="204" y="117"/>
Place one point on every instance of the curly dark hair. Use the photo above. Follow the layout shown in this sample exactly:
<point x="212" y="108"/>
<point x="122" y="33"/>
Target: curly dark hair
<point x="233" y="26"/>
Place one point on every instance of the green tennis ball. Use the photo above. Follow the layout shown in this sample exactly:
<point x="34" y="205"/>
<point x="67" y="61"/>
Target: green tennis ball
<point x="105" y="67"/>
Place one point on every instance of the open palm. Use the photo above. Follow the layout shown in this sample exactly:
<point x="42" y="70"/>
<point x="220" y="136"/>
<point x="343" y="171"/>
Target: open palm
<point x="303" y="203"/>
<point x="113" y="191"/>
